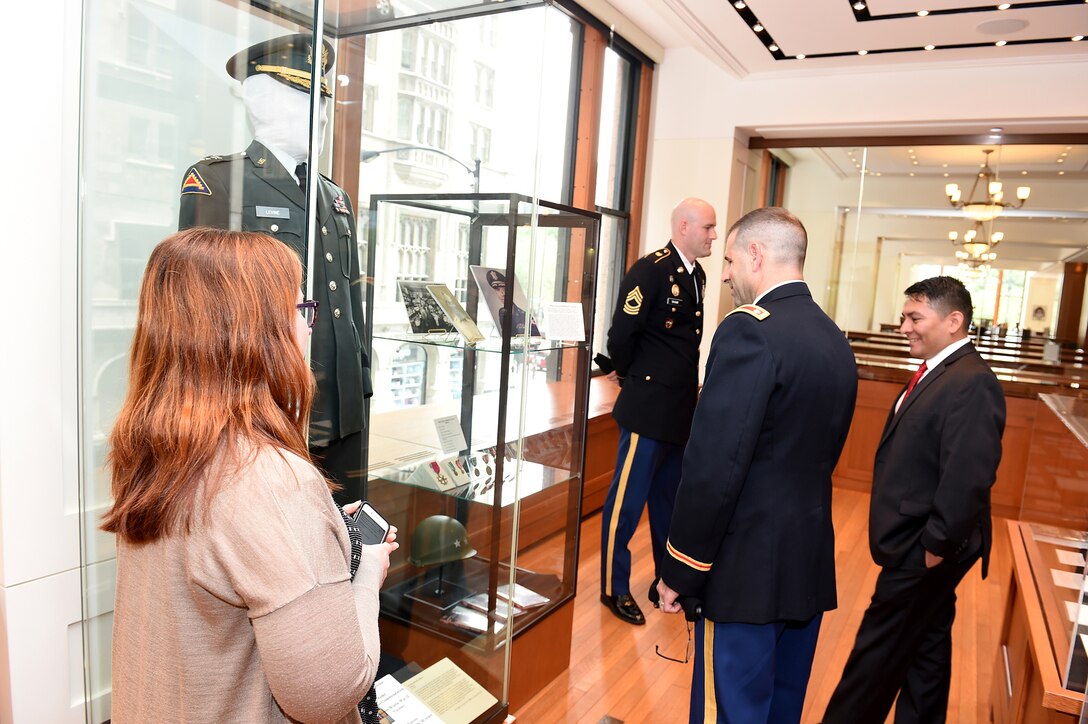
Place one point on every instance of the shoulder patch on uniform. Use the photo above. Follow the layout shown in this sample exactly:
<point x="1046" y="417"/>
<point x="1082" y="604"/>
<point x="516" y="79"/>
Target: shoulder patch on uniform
<point x="633" y="303"/>
<point x="756" y="311"/>
<point x="194" y="184"/>
<point x="661" y="254"/>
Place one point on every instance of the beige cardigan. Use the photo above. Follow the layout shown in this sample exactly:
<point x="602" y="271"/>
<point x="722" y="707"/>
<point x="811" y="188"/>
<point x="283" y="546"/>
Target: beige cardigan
<point x="252" y="616"/>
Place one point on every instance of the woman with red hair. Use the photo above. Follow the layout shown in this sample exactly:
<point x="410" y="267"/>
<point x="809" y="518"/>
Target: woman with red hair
<point x="235" y="600"/>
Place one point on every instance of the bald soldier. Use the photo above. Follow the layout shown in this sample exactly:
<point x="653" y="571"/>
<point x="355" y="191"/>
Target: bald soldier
<point x="654" y="346"/>
<point x="751" y="536"/>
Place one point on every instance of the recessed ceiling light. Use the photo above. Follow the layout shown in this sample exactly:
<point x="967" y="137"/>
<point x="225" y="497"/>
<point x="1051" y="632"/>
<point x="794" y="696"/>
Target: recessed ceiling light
<point x="758" y="28"/>
<point x="910" y="150"/>
<point x="996" y="129"/>
<point x="773" y="47"/>
<point x="930" y="47"/>
<point x="1077" y="38"/>
<point x="739" y="5"/>
<point x="1004" y="6"/>
<point x="946" y="175"/>
<point x="915" y="163"/>
<point x="1000" y="43"/>
<point x="1061" y="173"/>
<point x="944" y="165"/>
<point x="861" y="6"/>
<point x="800" y="56"/>
<point x="1023" y="173"/>
<point x="878" y="173"/>
<point x="1068" y="148"/>
<point x="1064" y="154"/>
<point x="911" y="173"/>
<point x="1061" y="160"/>
<point x="863" y="52"/>
<point x="923" y="13"/>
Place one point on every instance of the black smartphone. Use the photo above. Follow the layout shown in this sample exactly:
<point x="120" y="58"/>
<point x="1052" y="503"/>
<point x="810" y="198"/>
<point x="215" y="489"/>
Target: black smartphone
<point x="373" y="526"/>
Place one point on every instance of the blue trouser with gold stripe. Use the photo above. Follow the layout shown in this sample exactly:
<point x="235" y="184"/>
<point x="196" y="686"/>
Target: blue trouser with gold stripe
<point x="647" y="474"/>
<point x="750" y="673"/>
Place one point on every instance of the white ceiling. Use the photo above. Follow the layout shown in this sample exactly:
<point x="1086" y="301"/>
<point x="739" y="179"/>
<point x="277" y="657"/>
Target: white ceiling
<point x="831" y="26"/>
<point x="1040" y="236"/>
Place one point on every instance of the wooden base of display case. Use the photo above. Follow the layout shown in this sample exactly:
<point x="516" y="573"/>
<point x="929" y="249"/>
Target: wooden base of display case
<point x="1027" y="683"/>
<point x="540" y="652"/>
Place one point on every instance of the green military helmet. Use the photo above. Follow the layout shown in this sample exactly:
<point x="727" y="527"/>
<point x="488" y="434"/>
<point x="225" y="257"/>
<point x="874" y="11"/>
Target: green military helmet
<point x="439" y="539"/>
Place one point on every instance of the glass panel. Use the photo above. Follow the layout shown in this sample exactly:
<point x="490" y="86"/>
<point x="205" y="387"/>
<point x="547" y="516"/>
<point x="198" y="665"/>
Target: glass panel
<point x="167" y="139"/>
<point x="479" y="104"/>
<point x="352" y="18"/>
<point x="611" y="260"/>
<point x="617" y="115"/>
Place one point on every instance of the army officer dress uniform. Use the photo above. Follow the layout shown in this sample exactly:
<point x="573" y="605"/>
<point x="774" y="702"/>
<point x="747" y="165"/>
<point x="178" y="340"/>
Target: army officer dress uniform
<point x="252" y="191"/>
<point x="654" y="346"/>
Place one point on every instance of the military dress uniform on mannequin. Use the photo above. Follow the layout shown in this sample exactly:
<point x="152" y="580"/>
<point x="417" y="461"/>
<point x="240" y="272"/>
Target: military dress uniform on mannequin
<point x="261" y="189"/>
<point x="654" y="346"/>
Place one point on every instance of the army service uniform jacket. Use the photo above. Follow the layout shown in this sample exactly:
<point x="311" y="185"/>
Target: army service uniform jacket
<point x="251" y="191"/>
<point x="751" y="533"/>
<point x="654" y="345"/>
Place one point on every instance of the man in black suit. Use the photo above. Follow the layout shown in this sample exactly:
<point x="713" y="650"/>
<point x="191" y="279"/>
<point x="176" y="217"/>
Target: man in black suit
<point x="929" y="518"/>
<point x="261" y="189"/>
<point x="654" y="346"/>
<point x="751" y="536"/>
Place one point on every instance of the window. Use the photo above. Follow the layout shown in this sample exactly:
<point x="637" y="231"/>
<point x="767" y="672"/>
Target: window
<point x="408" y="376"/>
<point x="370" y="94"/>
<point x="415" y="244"/>
<point x="485" y="85"/>
<point x="481" y="143"/>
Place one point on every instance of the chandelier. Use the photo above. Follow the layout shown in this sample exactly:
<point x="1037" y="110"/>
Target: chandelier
<point x="992" y="203"/>
<point x="976" y="249"/>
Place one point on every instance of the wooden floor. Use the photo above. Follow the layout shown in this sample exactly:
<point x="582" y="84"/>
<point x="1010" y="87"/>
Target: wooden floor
<point x="615" y="673"/>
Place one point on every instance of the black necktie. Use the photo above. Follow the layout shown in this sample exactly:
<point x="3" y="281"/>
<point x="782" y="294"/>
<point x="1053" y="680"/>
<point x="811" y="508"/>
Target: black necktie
<point x="300" y="172"/>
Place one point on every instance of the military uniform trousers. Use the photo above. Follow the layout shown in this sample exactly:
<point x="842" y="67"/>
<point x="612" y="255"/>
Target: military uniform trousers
<point x="747" y="672"/>
<point x="647" y="474"/>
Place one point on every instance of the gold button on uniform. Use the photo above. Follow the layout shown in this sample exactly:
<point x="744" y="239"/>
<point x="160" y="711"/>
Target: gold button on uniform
<point x="698" y="313"/>
<point x="332" y="286"/>
<point x="647" y="378"/>
<point x="336" y="313"/>
<point x="324" y="231"/>
<point x="328" y="256"/>
<point x="275" y="227"/>
<point x="698" y="331"/>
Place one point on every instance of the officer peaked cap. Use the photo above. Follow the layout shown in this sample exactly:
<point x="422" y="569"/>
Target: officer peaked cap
<point x="495" y="278"/>
<point x="288" y="59"/>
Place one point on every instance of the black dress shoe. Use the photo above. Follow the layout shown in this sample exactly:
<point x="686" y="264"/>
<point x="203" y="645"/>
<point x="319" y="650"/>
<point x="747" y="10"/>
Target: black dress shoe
<point x="625" y="608"/>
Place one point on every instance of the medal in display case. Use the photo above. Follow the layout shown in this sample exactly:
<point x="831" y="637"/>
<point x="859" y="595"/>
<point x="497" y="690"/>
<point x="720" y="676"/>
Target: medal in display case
<point x="476" y="446"/>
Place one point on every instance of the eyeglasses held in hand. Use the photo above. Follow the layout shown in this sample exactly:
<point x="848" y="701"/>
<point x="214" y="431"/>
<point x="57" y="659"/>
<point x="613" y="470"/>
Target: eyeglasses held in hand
<point x="308" y="310"/>
<point x="687" y="649"/>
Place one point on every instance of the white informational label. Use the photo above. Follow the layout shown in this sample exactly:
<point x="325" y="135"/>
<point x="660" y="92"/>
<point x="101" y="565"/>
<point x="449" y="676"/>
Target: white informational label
<point x="564" y="321"/>
<point x="450" y="693"/>
<point x="401" y="705"/>
<point x="450" y="435"/>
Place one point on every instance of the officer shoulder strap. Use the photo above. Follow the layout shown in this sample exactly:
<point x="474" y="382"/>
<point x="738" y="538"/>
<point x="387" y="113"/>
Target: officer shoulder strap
<point x="753" y="309"/>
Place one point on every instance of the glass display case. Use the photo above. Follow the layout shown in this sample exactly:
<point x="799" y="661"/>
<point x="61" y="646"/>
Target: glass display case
<point x="477" y="427"/>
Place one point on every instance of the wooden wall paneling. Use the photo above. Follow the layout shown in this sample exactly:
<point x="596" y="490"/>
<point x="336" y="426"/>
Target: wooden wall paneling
<point x="855" y="468"/>
<point x="347" y="129"/>
<point x="638" y="166"/>
<point x="1067" y="326"/>
<point x="589" y="119"/>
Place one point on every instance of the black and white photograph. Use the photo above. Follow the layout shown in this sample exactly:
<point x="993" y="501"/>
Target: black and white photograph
<point x="424" y="313"/>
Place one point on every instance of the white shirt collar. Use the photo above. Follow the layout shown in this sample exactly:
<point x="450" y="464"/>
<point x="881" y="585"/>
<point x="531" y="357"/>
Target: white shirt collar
<point x="944" y="354"/>
<point x="689" y="265"/>
<point x="286" y="160"/>
<point x="776" y="286"/>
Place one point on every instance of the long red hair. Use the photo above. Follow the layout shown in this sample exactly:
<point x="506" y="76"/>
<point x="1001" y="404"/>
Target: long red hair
<point x="214" y="366"/>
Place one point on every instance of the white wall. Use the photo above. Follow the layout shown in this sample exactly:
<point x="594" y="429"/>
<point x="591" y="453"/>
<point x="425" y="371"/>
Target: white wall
<point x="40" y="633"/>
<point x="700" y="108"/>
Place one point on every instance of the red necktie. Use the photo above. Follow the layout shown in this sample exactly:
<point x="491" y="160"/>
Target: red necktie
<point x="913" y="381"/>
